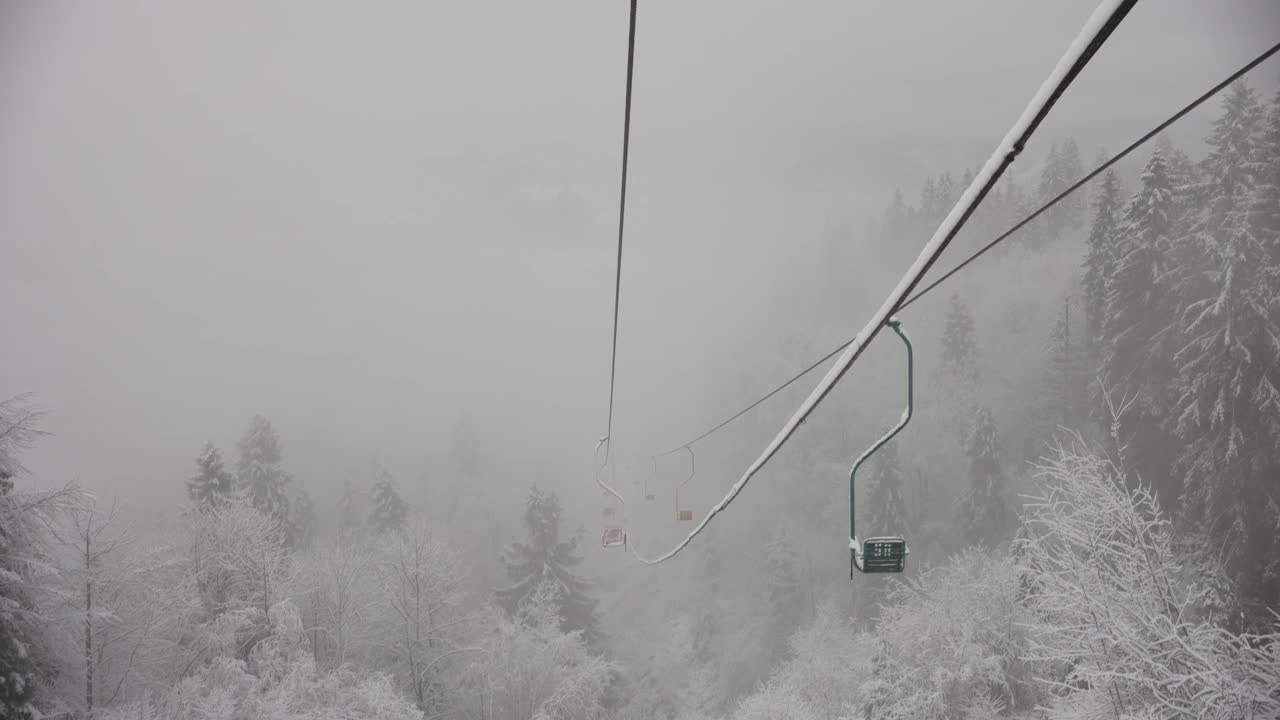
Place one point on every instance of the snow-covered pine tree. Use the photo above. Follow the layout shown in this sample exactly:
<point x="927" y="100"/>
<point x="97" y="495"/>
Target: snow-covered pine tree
<point x="1070" y="169"/>
<point x="1228" y="383"/>
<point x="303" y="525"/>
<point x="1012" y="200"/>
<point x="1184" y="177"/>
<point x="959" y="351"/>
<point x="930" y="202"/>
<point x="1136" y="348"/>
<point x="260" y="471"/>
<point x="1265" y="216"/>
<point x="788" y="603"/>
<point x="546" y="557"/>
<point x="1051" y="183"/>
<point x="212" y="482"/>
<point x="984" y="511"/>
<point x="20" y="524"/>
<point x="896" y="217"/>
<point x="349" y="508"/>
<point x="956" y="378"/>
<point x="387" y="510"/>
<point x="885" y="512"/>
<point x="1265" y="168"/>
<point x="1061" y="403"/>
<point x="1100" y="259"/>
<point x="948" y="193"/>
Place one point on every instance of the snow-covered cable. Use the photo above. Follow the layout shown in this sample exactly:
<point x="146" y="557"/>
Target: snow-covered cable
<point x="1075" y="187"/>
<point x="1098" y="171"/>
<point x="1096" y="30"/>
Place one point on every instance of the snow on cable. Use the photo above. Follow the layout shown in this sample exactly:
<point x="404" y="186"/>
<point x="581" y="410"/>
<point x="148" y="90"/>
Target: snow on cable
<point x="1099" y="25"/>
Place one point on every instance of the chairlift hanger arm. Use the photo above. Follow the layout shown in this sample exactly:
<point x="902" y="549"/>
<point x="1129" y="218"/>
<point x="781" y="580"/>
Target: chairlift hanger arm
<point x="600" y="468"/>
<point x="686" y="515"/>
<point x="856" y="549"/>
<point x="1097" y="29"/>
<point x="693" y="466"/>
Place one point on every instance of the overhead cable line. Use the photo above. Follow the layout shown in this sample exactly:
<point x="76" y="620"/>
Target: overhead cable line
<point x="1006" y="234"/>
<point x="622" y="214"/>
<point x="1101" y="24"/>
<point x="1099" y="170"/>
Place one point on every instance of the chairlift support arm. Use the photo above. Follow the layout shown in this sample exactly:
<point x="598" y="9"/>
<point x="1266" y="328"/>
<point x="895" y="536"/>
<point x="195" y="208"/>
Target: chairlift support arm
<point x="855" y="547"/>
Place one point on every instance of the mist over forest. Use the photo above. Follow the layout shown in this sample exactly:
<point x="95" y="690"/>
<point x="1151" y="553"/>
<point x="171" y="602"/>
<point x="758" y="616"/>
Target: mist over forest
<point x="308" y="348"/>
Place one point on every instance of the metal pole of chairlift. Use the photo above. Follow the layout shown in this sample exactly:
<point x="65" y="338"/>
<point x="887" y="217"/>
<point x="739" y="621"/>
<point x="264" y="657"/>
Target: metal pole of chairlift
<point x="891" y="545"/>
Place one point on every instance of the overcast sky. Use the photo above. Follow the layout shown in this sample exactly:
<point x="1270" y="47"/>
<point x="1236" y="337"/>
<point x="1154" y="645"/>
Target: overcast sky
<point x="362" y="218"/>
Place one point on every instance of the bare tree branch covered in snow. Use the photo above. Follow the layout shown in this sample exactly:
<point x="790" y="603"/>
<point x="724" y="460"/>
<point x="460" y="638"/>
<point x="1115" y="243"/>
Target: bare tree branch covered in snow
<point x="19" y="430"/>
<point x="1114" y="611"/>
<point x="282" y="684"/>
<point x="337" y="589"/>
<point x="529" y="668"/>
<point x="241" y="568"/>
<point x="27" y="563"/>
<point x="422" y="618"/>
<point x="952" y="640"/>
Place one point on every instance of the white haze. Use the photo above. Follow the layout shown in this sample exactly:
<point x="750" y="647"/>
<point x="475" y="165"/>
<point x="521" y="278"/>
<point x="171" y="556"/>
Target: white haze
<point x="362" y="220"/>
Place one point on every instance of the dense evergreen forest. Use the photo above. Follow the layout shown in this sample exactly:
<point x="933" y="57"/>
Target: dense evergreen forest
<point x="1091" y="490"/>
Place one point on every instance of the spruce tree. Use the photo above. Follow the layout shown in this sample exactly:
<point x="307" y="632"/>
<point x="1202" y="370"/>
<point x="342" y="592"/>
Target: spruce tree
<point x="352" y="518"/>
<point x="1100" y="259"/>
<point x="303" y="525"/>
<point x="545" y="556"/>
<point x="388" y="511"/>
<point x="1065" y="380"/>
<point x="18" y="632"/>
<point x="260" y="470"/>
<point x="1264" y="167"/>
<point x="212" y="483"/>
<point x="948" y="193"/>
<point x="896" y="217"/>
<point x="785" y="587"/>
<point x="885" y="511"/>
<point x="1184" y="177"/>
<point x="956" y="378"/>
<point x="984" y="513"/>
<point x="1136" y="349"/>
<point x="959" y="350"/>
<point x="1051" y="184"/>
<point x="1070" y="169"/>
<point x="930" y="202"/>
<point x="21" y="522"/>
<point x="1228" y="384"/>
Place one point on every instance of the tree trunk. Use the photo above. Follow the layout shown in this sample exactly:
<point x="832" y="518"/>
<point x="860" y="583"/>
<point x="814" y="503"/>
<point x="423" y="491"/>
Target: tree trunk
<point x="88" y="631"/>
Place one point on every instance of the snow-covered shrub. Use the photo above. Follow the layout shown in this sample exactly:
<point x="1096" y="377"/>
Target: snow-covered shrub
<point x="1112" y="607"/>
<point x="286" y="686"/>
<point x="951" y="645"/>
<point x="241" y="569"/>
<point x="830" y="663"/>
<point x="776" y="701"/>
<point x="529" y="668"/>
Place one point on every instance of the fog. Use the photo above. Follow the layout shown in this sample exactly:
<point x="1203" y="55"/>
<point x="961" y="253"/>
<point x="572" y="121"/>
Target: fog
<point x="364" y="220"/>
<point x="375" y="223"/>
